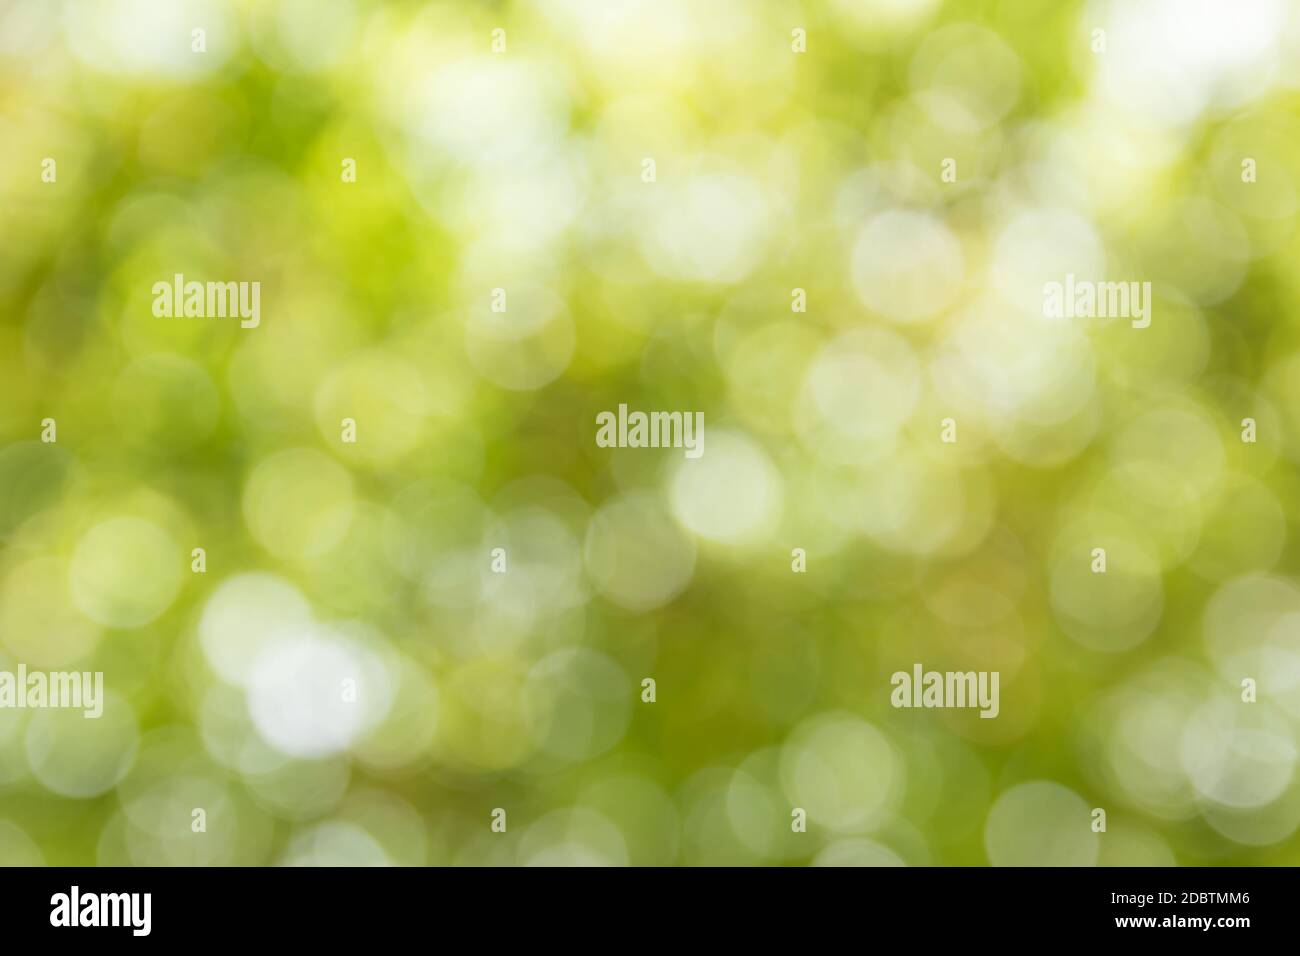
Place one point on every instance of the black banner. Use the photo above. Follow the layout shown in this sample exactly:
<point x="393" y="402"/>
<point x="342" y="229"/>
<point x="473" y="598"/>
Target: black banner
<point x="332" y="907"/>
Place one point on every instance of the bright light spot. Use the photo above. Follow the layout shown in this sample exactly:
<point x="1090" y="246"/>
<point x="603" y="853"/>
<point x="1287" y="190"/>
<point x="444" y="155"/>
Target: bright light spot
<point x="38" y="624"/>
<point x="126" y="572"/>
<point x="907" y="266"/>
<point x="298" y="503"/>
<point x="711" y="228"/>
<point x="1040" y="824"/>
<point x="731" y="494"/>
<point x="524" y="347"/>
<point x="316" y="694"/>
<point x="842" y="770"/>
<point x="635" y="553"/>
<point x="78" y="757"/>
<point x="244" y="616"/>
<point x="857" y="394"/>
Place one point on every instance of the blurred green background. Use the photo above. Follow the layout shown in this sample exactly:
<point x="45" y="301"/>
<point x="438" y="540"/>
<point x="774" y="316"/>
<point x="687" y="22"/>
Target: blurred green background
<point x="1116" y="155"/>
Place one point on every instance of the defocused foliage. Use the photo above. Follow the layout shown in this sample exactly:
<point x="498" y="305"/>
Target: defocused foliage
<point x="525" y="170"/>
